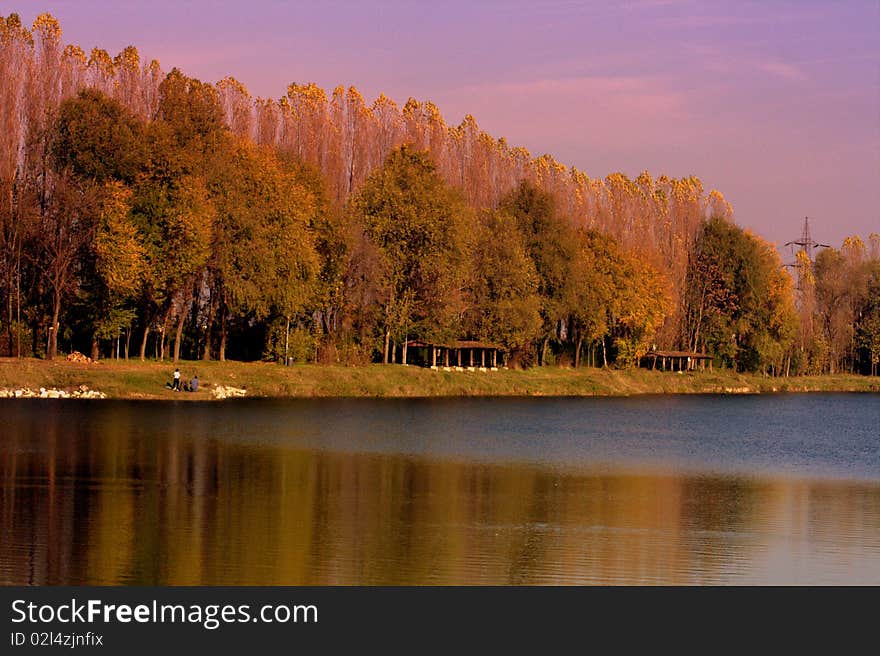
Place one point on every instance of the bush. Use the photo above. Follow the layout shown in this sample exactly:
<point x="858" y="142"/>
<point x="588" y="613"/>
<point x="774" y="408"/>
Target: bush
<point x="300" y="343"/>
<point x="351" y="354"/>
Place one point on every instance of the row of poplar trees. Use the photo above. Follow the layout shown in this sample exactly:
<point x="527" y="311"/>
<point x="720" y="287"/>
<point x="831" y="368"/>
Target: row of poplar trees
<point x="153" y="215"/>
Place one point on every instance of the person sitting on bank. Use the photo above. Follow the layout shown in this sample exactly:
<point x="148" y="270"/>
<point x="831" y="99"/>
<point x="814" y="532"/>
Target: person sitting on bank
<point x="194" y="384"/>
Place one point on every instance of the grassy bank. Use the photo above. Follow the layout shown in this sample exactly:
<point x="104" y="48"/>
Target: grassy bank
<point x="146" y="380"/>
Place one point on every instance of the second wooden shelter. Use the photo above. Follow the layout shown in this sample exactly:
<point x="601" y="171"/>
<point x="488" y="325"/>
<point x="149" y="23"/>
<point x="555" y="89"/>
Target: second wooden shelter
<point x="460" y="353"/>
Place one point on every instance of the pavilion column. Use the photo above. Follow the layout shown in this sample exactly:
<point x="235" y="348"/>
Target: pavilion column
<point x="470" y="357"/>
<point x="446" y="356"/>
<point x="483" y="358"/>
<point x="433" y="356"/>
<point x="494" y="358"/>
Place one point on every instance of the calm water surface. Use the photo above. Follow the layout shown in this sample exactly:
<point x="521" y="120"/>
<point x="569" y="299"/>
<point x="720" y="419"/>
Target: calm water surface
<point x="677" y="490"/>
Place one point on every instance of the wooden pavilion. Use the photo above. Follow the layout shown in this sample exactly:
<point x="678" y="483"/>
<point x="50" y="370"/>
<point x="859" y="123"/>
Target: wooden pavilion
<point x="461" y="354"/>
<point x="676" y="360"/>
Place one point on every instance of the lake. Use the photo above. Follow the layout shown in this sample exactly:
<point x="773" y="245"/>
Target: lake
<point x="771" y="489"/>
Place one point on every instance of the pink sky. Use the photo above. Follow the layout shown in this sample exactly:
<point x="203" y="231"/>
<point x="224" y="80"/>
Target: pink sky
<point x="776" y="104"/>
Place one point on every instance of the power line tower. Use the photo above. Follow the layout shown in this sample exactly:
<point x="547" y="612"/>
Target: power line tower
<point x="805" y="244"/>
<point x="806" y="300"/>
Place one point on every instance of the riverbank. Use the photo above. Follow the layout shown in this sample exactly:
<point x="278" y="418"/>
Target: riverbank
<point x="146" y="380"/>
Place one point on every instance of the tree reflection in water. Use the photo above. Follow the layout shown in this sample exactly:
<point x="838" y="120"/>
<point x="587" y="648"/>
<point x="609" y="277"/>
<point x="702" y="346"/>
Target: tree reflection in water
<point x="133" y="505"/>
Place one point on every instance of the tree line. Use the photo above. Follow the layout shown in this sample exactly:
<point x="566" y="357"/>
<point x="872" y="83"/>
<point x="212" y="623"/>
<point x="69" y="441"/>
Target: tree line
<point x="151" y="214"/>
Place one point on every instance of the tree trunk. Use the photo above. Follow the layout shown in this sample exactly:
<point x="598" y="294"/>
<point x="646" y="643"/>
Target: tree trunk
<point x="209" y="324"/>
<point x="387" y="342"/>
<point x="544" y="345"/>
<point x="161" y="345"/>
<point x="127" y="340"/>
<point x="179" y="334"/>
<point x="287" y="343"/>
<point x="9" y="321"/>
<point x="577" y="352"/>
<point x="222" y="354"/>
<point x="143" y="353"/>
<point x="95" y="348"/>
<point x="604" y="355"/>
<point x="18" y="301"/>
<point x="52" y="349"/>
<point x="163" y="330"/>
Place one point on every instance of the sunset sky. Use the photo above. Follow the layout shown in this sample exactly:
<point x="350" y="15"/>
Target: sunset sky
<point x="776" y="104"/>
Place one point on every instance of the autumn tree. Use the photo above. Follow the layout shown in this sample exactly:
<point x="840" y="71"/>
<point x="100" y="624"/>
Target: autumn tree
<point x="550" y="244"/>
<point x="868" y="327"/>
<point x="503" y="305"/>
<point x="119" y="264"/>
<point x="331" y="236"/>
<point x="844" y="279"/>
<point x="60" y="232"/>
<point x="414" y="220"/>
<point x="740" y="304"/>
<point x="98" y="139"/>
<point x="262" y="252"/>
<point x="16" y="51"/>
<point x="101" y="146"/>
<point x="589" y="295"/>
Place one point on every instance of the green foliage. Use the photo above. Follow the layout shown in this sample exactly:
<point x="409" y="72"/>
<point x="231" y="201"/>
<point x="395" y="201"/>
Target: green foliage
<point x="300" y="343"/>
<point x="504" y="306"/>
<point x="414" y="221"/>
<point x="98" y="139"/>
<point x="740" y="302"/>
<point x="119" y="252"/>
<point x="191" y="109"/>
<point x="868" y="326"/>
<point x="550" y="244"/>
<point x="262" y="252"/>
<point x="612" y="294"/>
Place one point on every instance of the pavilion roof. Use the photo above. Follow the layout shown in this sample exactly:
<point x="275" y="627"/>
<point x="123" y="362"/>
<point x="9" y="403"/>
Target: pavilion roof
<point x="679" y="354"/>
<point x="457" y="344"/>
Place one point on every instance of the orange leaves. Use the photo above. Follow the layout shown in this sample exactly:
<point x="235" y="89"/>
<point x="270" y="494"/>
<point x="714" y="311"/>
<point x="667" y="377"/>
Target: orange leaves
<point x="74" y="54"/>
<point x="128" y="59"/>
<point x="48" y="28"/>
<point x="101" y="62"/>
<point x="310" y="94"/>
<point x="121" y="257"/>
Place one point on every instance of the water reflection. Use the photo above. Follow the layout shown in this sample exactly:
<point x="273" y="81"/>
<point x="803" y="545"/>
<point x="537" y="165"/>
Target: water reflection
<point x="128" y="504"/>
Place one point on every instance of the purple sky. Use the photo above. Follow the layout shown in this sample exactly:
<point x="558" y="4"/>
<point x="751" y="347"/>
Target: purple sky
<point x="776" y="104"/>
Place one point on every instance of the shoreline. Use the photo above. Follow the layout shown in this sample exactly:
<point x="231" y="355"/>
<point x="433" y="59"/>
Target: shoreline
<point x="130" y="379"/>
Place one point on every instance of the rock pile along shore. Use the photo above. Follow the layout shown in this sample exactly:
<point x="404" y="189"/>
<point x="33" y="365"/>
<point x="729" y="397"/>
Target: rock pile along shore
<point x="81" y="392"/>
<point x="226" y="392"/>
